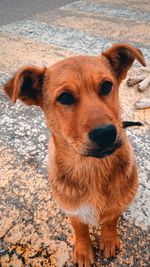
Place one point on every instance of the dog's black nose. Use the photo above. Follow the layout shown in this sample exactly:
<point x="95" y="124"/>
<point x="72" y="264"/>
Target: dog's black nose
<point x="103" y="136"/>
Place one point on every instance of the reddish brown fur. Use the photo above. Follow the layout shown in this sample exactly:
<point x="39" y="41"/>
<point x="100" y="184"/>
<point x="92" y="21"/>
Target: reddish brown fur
<point x="107" y="185"/>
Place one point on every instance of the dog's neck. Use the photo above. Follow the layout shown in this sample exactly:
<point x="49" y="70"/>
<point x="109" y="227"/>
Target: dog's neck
<point x="68" y="157"/>
<point x="74" y="176"/>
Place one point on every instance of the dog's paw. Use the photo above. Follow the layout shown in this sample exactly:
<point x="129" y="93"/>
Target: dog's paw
<point x="109" y="246"/>
<point x="83" y="254"/>
<point x="143" y="103"/>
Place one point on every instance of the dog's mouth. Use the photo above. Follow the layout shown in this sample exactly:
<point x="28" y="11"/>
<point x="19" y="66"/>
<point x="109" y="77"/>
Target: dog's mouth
<point x="104" y="152"/>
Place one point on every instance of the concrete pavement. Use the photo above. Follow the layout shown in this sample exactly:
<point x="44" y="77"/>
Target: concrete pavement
<point x="11" y="11"/>
<point x="33" y="231"/>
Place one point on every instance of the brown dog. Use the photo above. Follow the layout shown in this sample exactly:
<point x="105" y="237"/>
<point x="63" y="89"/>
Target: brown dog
<point x="93" y="172"/>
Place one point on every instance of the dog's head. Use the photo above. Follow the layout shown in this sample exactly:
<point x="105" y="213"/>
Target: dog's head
<point x="79" y="97"/>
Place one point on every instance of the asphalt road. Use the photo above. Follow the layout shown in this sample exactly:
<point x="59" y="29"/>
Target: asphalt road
<point x="13" y="10"/>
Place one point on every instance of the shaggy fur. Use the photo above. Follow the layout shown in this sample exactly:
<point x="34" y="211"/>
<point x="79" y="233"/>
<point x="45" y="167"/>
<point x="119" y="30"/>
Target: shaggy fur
<point x="90" y="188"/>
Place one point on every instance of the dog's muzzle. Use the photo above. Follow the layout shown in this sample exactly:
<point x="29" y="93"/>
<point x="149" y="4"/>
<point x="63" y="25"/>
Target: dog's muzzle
<point x="104" y="141"/>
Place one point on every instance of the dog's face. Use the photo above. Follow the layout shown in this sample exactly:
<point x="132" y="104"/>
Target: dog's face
<point x="79" y="97"/>
<point x="81" y="104"/>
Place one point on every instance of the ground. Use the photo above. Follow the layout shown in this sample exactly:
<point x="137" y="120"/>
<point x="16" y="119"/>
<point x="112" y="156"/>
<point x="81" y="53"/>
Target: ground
<point x="33" y="230"/>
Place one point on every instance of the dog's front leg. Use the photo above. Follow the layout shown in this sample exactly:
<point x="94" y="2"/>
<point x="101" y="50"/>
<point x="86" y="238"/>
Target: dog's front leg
<point x="83" y="254"/>
<point x="109" y="241"/>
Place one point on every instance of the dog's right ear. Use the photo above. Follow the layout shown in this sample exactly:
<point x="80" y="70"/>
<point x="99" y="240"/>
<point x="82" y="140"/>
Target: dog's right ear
<point x="27" y="85"/>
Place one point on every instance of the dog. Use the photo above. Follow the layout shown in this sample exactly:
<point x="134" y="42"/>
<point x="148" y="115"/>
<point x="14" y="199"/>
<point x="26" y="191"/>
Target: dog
<point x="92" y="170"/>
<point x="142" y="78"/>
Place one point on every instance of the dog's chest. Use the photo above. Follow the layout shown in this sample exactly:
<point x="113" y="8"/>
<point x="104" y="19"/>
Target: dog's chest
<point x="86" y="214"/>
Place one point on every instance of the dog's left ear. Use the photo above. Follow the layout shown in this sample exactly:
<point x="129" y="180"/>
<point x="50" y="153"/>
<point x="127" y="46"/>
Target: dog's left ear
<point x="121" y="58"/>
<point x="27" y="85"/>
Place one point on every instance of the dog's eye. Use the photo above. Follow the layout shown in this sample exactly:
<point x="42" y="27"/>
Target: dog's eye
<point x="106" y="88"/>
<point x="66" y="99"/>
